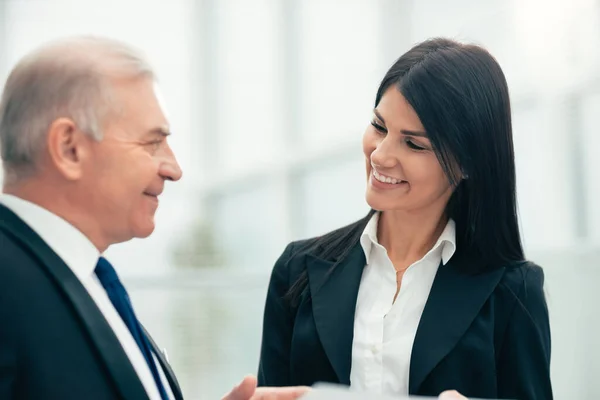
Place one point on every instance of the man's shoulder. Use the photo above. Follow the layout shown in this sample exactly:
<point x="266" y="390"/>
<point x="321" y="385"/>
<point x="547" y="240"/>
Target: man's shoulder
<point x="10" y="249"/>
<point x="18" y="267"/>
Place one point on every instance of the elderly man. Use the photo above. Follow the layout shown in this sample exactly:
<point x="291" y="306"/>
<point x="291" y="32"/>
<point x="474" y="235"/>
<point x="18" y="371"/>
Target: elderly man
<point x="85" y="157"/>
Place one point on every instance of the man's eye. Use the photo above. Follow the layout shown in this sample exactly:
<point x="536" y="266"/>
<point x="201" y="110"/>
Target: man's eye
<point x="154" y="145"/>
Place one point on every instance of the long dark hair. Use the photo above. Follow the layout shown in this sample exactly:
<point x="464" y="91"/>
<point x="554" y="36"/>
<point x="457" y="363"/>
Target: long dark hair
<point x="461" y="97"/>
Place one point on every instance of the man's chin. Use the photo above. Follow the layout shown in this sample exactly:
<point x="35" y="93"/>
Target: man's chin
<point x="144" y="230"/>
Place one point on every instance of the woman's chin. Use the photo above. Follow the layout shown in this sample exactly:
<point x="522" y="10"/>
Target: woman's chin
<point x="376" y="202"/>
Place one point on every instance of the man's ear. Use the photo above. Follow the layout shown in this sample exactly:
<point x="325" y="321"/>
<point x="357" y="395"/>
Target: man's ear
<point x="68" y="146"/>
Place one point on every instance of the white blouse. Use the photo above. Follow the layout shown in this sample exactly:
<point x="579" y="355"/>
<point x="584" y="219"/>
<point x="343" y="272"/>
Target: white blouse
<point x="384" y="330"/>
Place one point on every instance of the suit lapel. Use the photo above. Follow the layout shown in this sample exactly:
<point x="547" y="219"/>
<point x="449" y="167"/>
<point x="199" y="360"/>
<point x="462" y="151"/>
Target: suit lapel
<point x="108" y="347"/>
<point x="333" y="304"/>
<point x="454" y="302"/>
<point x="170" y="375"/>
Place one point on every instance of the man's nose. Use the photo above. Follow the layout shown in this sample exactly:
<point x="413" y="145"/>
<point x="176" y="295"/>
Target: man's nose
<point x="169" y="167"/>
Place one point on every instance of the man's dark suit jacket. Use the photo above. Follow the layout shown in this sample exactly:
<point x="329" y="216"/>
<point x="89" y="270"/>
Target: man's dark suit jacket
<point x="485" y="335"/>
<point x="54" y="341"/>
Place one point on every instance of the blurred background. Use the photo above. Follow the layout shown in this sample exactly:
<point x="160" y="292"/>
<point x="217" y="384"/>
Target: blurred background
<point x="268" y="100"/>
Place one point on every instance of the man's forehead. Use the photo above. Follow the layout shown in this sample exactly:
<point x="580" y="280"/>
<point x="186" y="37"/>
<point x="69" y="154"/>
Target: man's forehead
<point x="161" y="101"/>
<point x="143" y="111"/>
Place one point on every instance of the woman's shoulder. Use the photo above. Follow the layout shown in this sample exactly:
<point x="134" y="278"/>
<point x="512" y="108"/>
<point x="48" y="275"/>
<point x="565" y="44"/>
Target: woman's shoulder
<point x="522" y="286"/>
<point x="297" y="250"/>
<point x="330" y="245"/>
<point x="522" y="275"/>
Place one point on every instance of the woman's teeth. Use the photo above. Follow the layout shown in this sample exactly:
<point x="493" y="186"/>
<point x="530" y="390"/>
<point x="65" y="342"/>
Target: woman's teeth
<point x="385" y="179"/>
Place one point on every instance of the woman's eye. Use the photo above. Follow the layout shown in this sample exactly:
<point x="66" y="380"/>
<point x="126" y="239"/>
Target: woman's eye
<point x="413" y="145"/>
<point x="380" y="128"/>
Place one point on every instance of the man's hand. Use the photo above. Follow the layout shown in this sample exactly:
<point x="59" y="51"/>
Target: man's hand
<point x="247" y="390"/>
<point x="451" y="395"/>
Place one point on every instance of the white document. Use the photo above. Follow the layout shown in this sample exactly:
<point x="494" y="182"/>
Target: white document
<point x="328" y="391"/>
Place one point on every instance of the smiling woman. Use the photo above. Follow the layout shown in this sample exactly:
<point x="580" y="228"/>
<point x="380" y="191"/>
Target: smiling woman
<point x="418" y="179"/>
<point x="430" y="291"/>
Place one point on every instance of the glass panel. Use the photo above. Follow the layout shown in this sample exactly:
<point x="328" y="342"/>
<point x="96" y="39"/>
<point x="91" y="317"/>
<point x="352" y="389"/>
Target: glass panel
<point x="340" y="70"/>
<point x="330" y="196"/>
<point x="543" y="178"/>
<point x="249" y="229"/>
<point x="591" y="163"/>
<point x="249" y="123"/>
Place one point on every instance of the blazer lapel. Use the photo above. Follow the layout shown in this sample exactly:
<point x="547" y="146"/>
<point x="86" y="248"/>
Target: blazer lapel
<point x="454" y="302"/>
<point x="169" y="374"/>
<point x="333" y="304"/>
<point x="108" y="347"/>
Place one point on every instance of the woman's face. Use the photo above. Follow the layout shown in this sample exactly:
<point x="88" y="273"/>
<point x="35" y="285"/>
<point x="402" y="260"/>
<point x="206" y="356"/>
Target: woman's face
<point x="403" y="172"/>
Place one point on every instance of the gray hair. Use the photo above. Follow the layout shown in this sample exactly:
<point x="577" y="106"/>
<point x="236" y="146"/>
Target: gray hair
<point x="69" y="78"/>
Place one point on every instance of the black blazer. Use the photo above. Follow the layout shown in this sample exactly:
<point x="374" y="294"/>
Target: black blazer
<point x="54" y="341"/>
<point x="485" y="335"/>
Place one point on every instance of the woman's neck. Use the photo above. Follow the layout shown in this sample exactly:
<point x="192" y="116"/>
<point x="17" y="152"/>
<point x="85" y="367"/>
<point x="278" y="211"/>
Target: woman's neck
<point x="408" y="236"/>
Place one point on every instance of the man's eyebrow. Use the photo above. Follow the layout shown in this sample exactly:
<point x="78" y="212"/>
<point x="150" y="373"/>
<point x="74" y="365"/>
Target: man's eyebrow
<point x="162" y="131"/>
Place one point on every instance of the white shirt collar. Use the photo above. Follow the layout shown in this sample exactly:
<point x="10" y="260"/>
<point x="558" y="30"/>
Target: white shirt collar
<point x="72" y="246"/>
<point x="447" y="239"/>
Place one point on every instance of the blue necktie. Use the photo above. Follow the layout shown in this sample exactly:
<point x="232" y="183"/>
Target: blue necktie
<point x="120" y="299"/>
